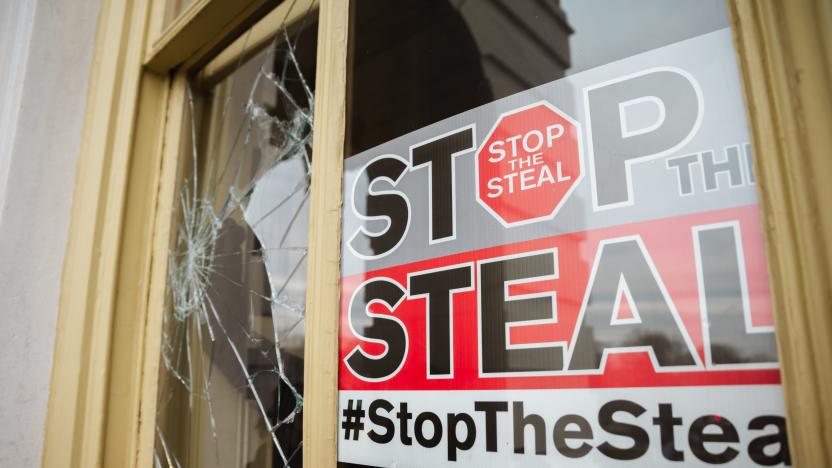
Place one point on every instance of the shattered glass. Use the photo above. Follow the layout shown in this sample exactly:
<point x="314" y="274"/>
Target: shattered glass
<point x="231" y="384"/>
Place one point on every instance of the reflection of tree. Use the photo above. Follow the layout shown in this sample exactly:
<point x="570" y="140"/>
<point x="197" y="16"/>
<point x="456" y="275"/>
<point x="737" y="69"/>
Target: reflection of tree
<point x="730" y="342"/>
<point x="665" y="350"/>
<point x="731" y="354"/>
<point x="667" y="353"/>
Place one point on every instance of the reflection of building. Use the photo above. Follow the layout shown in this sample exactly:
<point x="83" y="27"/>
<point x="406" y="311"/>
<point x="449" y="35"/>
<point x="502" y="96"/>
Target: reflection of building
<point x="103" y="83"/>
<point x="522" y="43"/>
<point x="417" y="62"/>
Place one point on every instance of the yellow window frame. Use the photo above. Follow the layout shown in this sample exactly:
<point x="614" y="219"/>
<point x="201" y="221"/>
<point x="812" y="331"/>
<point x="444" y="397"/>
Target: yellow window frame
<point x="105" y="371"/>
<point x="105" y="368"/>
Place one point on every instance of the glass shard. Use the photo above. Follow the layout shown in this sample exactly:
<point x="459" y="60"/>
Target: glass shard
<point x="231" y="384"/>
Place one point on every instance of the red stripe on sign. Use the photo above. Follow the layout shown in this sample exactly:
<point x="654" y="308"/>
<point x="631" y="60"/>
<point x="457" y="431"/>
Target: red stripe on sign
<point x="532" y="287"/>
<point x="669" y="245"/>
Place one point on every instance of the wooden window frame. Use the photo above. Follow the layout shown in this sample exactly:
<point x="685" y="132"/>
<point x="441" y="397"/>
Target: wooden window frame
<point x="102" y="405"/>
<point x="105" y="368"/>
<point x="784" y="51"/>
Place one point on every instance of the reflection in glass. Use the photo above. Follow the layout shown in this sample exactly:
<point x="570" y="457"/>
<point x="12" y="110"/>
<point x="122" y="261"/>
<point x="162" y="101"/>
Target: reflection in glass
<point x="648" y="281"/>
<point x="231" y="386"/>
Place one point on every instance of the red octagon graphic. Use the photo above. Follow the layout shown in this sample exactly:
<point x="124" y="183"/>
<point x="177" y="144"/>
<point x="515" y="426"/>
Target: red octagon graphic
<point x="529" y="164"/>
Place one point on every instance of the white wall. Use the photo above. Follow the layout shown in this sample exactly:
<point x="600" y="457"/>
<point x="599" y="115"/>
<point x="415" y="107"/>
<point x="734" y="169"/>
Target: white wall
<point x="45" y="62"/>
<point x="16" y="21"/>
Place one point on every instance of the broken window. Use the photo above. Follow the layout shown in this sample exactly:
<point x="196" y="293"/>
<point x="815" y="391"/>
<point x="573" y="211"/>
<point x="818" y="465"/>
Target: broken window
<point x="231" y="383"/>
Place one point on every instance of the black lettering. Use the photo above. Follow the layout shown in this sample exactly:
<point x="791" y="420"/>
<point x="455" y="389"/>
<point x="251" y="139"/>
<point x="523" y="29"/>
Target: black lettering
<point x="490" y="408"/>
<point x="613" y="145"/>
<point x="641" y="441"/>
<point x="379" y="420"/>
<point x="623" y="263"/>
<point x="521" y="421"/>
<point x="756" y="449"/>
<point x="383" y="328"/>
<point x="749" y="162"/>
<point x="391" y="205"/>
<point x="437" y="286"/>
<point x="561" y="434"/>
<point x="404" y="416"/>
<point x="697" y="439"/>
<point x="732" y="165"/>
<point x="667" y="423"/>
<point x="496" y="311"/>
<point x="454" y="443"/>
<point x="684" y="175"/>
<point x="722" y="267"/>
<point x="438" y="155"/>
<point x="419" y="429"/>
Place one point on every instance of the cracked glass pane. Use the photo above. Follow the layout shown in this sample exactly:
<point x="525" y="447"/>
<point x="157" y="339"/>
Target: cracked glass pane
<point x="231" y="384"/>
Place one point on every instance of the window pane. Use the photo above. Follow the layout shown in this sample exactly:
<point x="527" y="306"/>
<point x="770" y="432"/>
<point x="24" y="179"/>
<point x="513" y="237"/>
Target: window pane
<point x="552" y="252"/>
<point x="231" y="386"/>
